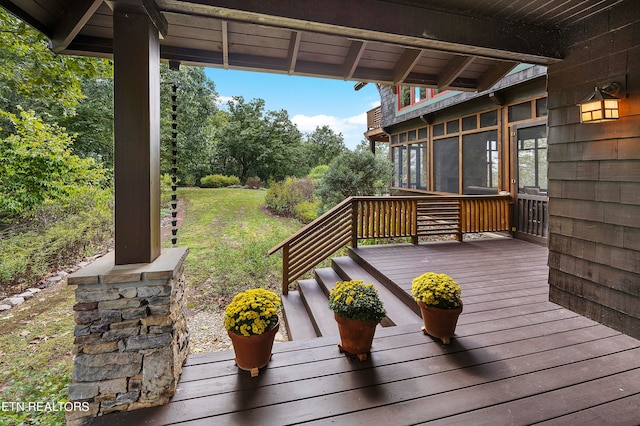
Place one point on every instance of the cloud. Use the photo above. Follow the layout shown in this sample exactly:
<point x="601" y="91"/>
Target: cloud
<point x="352" y="128"/>
<point x="222" y="100"/>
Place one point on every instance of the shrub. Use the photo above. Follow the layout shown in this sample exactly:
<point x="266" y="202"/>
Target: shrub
<point x="283" y="197"/>
<point x="318" y="172"/>
<point x="307" y="212"/>
<point x="65" y="232"/>
<point x="255" y="183"/>
<point x="219" y="181"/>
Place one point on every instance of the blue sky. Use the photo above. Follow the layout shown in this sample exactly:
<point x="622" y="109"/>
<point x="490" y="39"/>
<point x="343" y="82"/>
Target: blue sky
<point x="310" y="102"/>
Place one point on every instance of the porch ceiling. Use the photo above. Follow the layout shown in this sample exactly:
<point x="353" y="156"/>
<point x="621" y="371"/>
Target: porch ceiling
<point x="465" y="45"/>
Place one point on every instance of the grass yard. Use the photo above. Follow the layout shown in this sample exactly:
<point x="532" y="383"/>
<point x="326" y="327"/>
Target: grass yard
<point x="228" y="234"/>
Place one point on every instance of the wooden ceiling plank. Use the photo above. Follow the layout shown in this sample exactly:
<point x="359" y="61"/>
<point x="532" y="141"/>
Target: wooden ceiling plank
<point x="405" y="64"/>
<point x="421" y="27"/>
<point x="353" y="58"/>
<point x="225" y="45"/>
<point x="74" y="19"/>
<point x="494" y="74"/>
<point x="292" y="55"/>
<point x="453" y="69"/>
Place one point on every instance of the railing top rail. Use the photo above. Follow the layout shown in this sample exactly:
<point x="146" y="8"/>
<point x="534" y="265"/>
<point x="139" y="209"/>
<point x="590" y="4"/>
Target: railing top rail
<point x="310" y="226"/>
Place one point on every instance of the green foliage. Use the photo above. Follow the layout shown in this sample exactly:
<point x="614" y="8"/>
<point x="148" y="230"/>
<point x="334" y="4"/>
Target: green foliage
<point x="165" y="190"/>
<point x="37" y="164"/>
<point x="219" y="181"/>
<point x="307" y="211"/>
<point x="322" y="146"/>
<point x="283" y="197"/>
<point x="49" y="386"/>
<point x="65" y="232"/>
<point x="196" y="115"/>
<point x="255" y="143"/>
<point x="35" y="78"/>
<point x="318" y="172"/>
<point x="354" y="173"/>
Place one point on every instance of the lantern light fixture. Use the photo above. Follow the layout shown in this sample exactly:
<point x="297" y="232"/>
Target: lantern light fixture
<point x="601" y="105"/>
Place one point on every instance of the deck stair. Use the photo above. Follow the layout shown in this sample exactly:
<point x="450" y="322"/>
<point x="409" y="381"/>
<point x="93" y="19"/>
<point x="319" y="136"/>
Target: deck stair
<point x="306" y="309"/>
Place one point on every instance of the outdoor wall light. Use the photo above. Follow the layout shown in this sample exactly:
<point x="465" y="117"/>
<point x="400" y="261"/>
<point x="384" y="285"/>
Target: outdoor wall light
<point x="601" y="105"/>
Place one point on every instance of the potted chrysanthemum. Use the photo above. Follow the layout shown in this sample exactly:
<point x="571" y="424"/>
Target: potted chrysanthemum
<point x="357" y="310"/>
<point x="439" y="298"/>
<point x="251" y="319"/>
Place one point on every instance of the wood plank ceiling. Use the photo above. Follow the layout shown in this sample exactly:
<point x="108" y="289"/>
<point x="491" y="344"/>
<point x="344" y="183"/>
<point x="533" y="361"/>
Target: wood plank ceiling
<point x="465" y="45"/>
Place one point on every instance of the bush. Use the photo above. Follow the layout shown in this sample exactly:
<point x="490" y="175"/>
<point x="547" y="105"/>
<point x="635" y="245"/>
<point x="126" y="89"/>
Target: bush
<point x="219" y="181"/>
<point x="354" y="173"/>
<point x="307" y="212"/>
<point x="318" y="172"/>
<point x="283" y="197"/>
<point x="63" y="234"/>
<point x="255" y="183"/>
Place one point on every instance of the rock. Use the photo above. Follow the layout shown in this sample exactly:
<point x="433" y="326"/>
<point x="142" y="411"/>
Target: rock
<point x="118" y="304"/>
<point x="14" y="301"/>
<point x="54" y="279"/>
<point x="146" y="341"/>
<point x="91" y="368"/>
<point x="26" y="295"/>
<point x="5" y="307"/>
<point x="80" y="391"/>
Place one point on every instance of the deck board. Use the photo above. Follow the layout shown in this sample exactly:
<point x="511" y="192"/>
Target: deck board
<point x="516" y="359"/>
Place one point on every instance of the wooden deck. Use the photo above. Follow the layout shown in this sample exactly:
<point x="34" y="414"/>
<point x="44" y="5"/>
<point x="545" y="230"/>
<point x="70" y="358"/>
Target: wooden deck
<point x="516" y="359"/>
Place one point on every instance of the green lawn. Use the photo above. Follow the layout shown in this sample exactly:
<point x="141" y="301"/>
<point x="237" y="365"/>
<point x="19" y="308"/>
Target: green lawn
<point x="228" y="235"/>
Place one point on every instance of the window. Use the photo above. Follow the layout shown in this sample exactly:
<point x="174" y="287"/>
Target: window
<point x="520" y="112"/>
<point x="532" y="160"/>
<point x="446" y="165"/>
<point x="410" y="95"/>
<point x="480" y="163"/>
<point x="398" y="157"/>
<point x="417" y="166"/>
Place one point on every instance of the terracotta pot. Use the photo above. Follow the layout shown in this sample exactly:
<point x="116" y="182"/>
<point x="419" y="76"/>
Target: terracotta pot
<point x="356" y="336"/>
<point x="253" y="352"/>
<point x="438" y="322"/>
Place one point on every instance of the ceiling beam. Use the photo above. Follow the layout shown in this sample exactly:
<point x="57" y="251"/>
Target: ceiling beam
<point x="405" y="64"/>
<point x="353" y="58"/>
<point x="225" y="44"/>
<point x="452" y="70"/>
<point x="73" y="20"/>
<point x="292" y="55"/>
<point x="414" y="25"/>
<point x="494" y="74"/>
<point x="145" y="6"/>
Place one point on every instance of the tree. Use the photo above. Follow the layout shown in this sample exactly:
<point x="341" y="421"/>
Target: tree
<point x="322" y="146"/>
<point x="35" y="78"/>
<point x="352" y="173"/>
<point x="196" y="109"/>
<point x="252" y="143"/>
<point x="37" y="164"/>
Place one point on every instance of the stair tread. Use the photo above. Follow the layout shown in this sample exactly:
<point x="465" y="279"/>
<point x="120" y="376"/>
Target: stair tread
<point x="397" y="311"/>
<point x="299" y="325"/>
<point x="327" y="278"/>
<point x="317" y="304"/>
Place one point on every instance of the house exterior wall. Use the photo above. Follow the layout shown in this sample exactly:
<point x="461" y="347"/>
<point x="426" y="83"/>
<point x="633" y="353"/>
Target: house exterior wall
<point x="594" y="175"/>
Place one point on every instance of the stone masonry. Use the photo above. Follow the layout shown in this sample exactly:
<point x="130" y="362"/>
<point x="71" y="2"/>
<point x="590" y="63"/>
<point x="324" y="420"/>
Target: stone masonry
<point x="131" y="335"/>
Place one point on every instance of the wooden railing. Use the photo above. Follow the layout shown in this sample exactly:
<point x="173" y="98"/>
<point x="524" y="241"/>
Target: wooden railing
<point x="532" y="215"/>
<point x="374" y="118"/>
<point x="388" y="217"/>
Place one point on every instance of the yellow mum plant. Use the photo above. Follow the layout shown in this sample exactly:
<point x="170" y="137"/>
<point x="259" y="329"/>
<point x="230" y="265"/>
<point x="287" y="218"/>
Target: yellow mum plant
<point x="439" y="290"/>
<point x="252" y="312"/>
<point x="356" y="300"/>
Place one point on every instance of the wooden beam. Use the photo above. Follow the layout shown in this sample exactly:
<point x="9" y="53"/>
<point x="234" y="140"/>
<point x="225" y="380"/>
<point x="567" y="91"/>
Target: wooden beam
<point x="136" y="58"/>
<point x="225" y="45"/>
<point x="405" y="64"/>
<point x="416" y="25"/>
<point x="353" y="58"/>
<point x="72" y="21"/>
<point x="149" y="7"/>
<point x="292" y="55"/>
<point x="452" y="70"/>
<point x="494" y="74"/>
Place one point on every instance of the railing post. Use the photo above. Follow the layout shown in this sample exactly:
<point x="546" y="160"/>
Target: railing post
<point x="285" y="269"/>
<point x="354" y="223"/>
